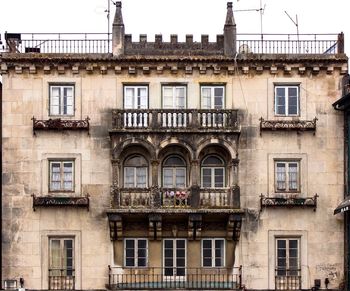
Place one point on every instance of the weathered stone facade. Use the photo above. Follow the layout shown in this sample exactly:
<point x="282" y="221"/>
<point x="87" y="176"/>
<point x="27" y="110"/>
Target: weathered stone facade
<point x="102" y="133"/>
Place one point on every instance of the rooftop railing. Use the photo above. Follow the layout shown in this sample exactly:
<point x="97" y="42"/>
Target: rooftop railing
<point x="89" y="43"/>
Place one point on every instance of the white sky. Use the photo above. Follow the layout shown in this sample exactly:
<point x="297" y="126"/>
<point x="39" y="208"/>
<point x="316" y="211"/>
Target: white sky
<point x="175" y="17"/>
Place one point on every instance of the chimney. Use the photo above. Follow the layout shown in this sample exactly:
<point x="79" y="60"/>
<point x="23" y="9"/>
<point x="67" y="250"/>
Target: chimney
<point x="118" y="31"/>
<point x="230" y="33"/>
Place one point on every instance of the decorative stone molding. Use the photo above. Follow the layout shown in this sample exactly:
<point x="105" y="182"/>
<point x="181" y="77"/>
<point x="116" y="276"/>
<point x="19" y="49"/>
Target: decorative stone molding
<point x="290" y="202"/>
<point x="60" y="201"/>
<point x="296" y="125"/>
<point x="60" y="124"/>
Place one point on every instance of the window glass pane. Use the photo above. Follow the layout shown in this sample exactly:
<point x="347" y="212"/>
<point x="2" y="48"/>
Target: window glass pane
<point x="168" y="98"/>
<point x="68" y="100"/>
<point x="142" y="98"/>
<point x="136" y="161"/>
<point x="180" y="178"/>
<point x="219" y="177"/>
<point x="281" y="176"/>
<point x="141" y="177"/>
<point x="218" y="97"/>
<point x="206" y="243"/>
<point x="55" y="257"/>
<point x="129" y="177"/>
<point x="129" y="98"/>
<point x="168" y="178"/>
<point x="280" y="100"/>
<point x="180" y="98"/>
<point x="55" y="101"/>
<point x="293" y="176"/>
<point x="174" y="161"/>
<point x="212" y="161"/>
<point x="130" y="253"/>
<point x="206" y="177"/>
<point x="206" y="98"/>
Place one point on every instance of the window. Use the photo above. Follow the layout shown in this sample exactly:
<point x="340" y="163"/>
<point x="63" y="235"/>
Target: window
<point x="174" y="258"/>
<point x="135" y="252"/>
<point x="135" y="97"/>
<point x="213" y="172"/>
<point x="288" y="264"/>
<point x="174" y="172"/>
<point x="174" y="97"/>
<point x="287" y="100"/>
<point x="61" y="99"/>
<point x="61" y="175"/>
<point x="212" y="97"/>
<point x="61" y="264"/>
<point x="213" y="252"/>
<point x="135" y="172"/>
<point x="287" y="176"/>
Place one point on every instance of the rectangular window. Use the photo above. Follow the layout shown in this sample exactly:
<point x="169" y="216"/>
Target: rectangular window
<point x="287" y="176"/>
<point x="287" y="100"/>
<point x="212" y="97"/>
<point x="61" y="264"/>
<point x="213" y="177"/>
<point x="174" y="97"/>
<point x="174" y="259"/>
<point x="61" y="176"/>
<point x="135" y="177"/>
<point x="135" y="252"/>
<point x="135" y="97"/>
<point x="61" y="100"/>
<point x="288" y="264"/>
<point x="213" y="252"/>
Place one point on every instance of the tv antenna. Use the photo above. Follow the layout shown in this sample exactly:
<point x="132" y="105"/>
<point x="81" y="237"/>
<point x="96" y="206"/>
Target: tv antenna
<point x="261" y="10"/>
<point x="296" y="25"/>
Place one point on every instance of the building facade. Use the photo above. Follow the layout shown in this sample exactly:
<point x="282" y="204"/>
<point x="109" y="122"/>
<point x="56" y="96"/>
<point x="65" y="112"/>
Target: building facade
<point x="169" y="165"/>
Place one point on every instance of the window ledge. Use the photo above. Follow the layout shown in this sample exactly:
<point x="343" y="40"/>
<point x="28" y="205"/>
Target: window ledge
<point x="295" y="125"/>
<point x="60" y="124"/>
<point x="61" y="201"/>
<point x="306" y="202"/>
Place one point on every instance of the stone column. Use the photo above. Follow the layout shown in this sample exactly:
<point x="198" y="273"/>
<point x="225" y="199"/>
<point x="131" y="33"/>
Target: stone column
<point x="155" y="193"/>
<point x="195" y="187"/>
<point x="115" y="195"/>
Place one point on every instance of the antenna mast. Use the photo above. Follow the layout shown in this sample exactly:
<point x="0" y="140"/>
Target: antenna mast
<point x="297" y="26"/>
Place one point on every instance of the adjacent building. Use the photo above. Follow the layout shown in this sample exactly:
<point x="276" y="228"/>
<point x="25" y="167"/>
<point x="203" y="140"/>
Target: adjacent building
<point x="172" y="165"/>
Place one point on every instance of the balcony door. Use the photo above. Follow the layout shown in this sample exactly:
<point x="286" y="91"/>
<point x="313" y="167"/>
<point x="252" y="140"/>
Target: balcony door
<point x="174" y="259"/>
<point x="136" y="99"/>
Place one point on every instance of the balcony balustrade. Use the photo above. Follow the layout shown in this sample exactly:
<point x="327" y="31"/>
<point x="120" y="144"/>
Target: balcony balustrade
<point x="61" y="279"/>
<point x="174" y="278"/>
<point x="306" y="202"/>
<point x="287" y="279"/>
<point x="190" y="120"/>
<point x="175" y="198"/>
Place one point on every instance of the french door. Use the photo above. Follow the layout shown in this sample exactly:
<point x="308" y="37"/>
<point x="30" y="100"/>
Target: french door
<point x="174" y="259"/>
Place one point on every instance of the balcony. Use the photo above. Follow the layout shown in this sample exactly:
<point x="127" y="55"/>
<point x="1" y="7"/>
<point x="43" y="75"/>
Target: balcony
<point x="60" y="124"/>
<point x="289" y="202"/>
<point x="174" y="278"/>
<point x="288" y="125"/>
<point x="175" y="120"/>
<point x="287" y="279"/>
<point x="61" y="201"/>
<point x="165" y="198"/>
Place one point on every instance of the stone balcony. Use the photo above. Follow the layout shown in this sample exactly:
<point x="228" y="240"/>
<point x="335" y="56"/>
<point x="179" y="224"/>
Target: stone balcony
<point x="175" y="120"/>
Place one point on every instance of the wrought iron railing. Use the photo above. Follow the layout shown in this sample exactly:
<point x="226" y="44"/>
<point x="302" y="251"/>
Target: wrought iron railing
<point x="175" y="119"/>
<point x="174" y="278"/>
<point x="61" y="279"/>
<point x="289" y="201"/>
<point x="287" y="279"/>
<point x="246" y="43"/>
<point x="288" y="125"/>
<point x="175" y="198"/>
<point x="61" y="201"/>
<point x="60" y="124"/>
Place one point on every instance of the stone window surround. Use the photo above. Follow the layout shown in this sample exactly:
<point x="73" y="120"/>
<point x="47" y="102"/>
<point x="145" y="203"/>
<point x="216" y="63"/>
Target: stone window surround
<point x="44" y="251"/>
<point x="76" y="82"/>
<point x="303" y="236"/>
<point x="303" y="172"/>
<point x="45" y="172"/>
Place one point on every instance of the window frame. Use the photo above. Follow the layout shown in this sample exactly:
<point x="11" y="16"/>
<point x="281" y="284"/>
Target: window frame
<point x="287" y="254"/>
<point x="212" y="174"/>
<point x="61" y="162"/>
<point x="62" y="86"/>
<point x="213" y="257"/>
<point x="135" y="168"/>
<point x="136" y="249"/>
<point x="62" y="239"/>
<point x="286" y="99"/>
<point x="174" y="169"/>
<point x="175" y="86"/>
<point x="135" y="87"/>
<point x="287" y="180"/>
<point x="212" y="88"/>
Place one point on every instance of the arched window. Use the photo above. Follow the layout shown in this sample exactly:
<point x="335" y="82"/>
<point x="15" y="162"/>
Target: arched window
<point x="213" y="172"/>
<point x="135" y="172"/>
<point x="174" y="172"/>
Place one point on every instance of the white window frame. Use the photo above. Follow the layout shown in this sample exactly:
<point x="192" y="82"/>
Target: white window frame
<point x="287" y="261"/>
<point x="175" y="277"/>
<point x="136" y="248"/>
<point x="287" y="176"/>
<point x="136" y="184"/>
<point x="212" y="174"/>
<point x="61" y="97"/>
<point x="136" y="102"/>
<point x="174" y="170"/>
<point x="212" y="96"/>
<point x="62" y="265"/>
<point x="286" y="100"/>
<point x="175" y="99"/>
<point x="62" y="181"/>
<point x="213" y="257"/>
